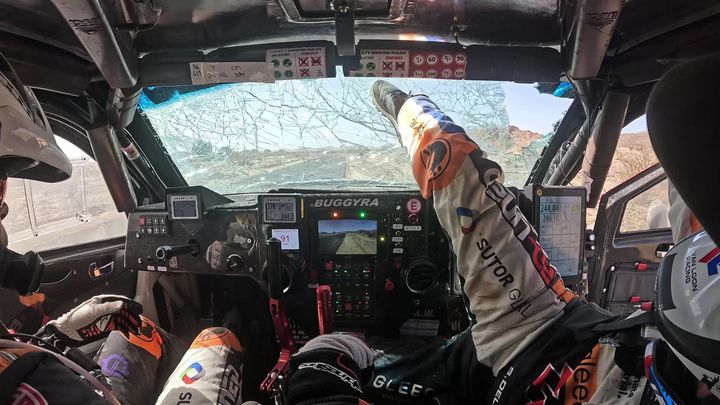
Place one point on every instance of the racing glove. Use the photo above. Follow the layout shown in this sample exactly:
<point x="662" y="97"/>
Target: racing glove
<point x="93" y="320"/>
<point x="329" y="369"/>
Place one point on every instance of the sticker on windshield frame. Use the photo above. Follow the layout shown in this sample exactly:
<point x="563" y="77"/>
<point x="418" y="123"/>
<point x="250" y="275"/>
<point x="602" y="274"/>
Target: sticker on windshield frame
<point x="297" y="63"/>
<point x="230" y="72"/>
<point x="448" y="65"/>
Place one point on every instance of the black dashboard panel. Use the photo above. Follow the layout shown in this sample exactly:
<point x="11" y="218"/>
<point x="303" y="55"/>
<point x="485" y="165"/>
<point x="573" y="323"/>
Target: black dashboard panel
<point x="376" y="251"/>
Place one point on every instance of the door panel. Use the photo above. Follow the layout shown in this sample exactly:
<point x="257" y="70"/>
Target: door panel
<point x="77" y="273"/>
<point x="631" y="227"/>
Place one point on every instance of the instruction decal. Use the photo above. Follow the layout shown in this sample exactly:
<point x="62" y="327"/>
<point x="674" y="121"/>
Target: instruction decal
<point x="383" y="63"/>
<point x="230" y="72"/>
<point x="297" y="63"/>
<point x="448" y="65"/>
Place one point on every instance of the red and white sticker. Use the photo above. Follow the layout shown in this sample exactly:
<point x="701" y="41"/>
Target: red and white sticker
<point x="438" y="65"/>
<point x="413" y="205"/>
<point x="297" y="63"/>
<point x="383" y="63"/>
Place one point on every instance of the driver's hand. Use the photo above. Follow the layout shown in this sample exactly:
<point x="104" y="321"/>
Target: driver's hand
<point x="94" y="319"/>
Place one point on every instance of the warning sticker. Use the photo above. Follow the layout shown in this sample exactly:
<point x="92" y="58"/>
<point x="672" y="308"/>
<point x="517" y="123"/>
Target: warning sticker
<point x="230" y="72"/>
<point x="383" y="63"/>
<point x="297" y="63"/>
<point x="438" y="65"/>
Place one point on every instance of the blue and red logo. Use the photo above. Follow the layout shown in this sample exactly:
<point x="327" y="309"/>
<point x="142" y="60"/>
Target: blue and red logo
<point x="712" y="260"/>
<point x="466" y="219"/>
<point x="193" y="373"/>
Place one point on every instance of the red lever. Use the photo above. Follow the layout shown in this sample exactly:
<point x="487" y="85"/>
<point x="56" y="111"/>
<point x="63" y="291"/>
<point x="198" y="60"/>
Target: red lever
<point x="287" y="344"/>
<point x="324" y="309"/>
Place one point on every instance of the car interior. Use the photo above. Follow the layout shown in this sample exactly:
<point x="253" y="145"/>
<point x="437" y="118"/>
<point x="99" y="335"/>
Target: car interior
<point x="227" y="158"/>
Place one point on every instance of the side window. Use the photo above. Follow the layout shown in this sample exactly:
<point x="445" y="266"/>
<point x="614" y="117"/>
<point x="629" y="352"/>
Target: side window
<point x="79" y="210"/>
<point x="647" y="211"/>
<point x="634" y="154"/>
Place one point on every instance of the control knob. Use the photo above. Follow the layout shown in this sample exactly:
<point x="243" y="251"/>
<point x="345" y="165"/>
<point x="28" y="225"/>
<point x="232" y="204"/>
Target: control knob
<point x="420" y="276"/>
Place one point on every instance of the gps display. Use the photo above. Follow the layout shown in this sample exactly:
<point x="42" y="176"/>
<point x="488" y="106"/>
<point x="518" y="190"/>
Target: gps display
<point x="184" y="206"/>
<point x="279" y="209"/>
<point x="560" y="225"/>
<point x="347" y="237"/>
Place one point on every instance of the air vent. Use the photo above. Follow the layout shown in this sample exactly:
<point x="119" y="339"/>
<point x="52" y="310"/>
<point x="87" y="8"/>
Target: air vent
<point x="421" y="276"/>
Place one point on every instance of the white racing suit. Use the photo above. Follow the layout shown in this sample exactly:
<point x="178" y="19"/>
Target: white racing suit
<point x="532" y="340"/>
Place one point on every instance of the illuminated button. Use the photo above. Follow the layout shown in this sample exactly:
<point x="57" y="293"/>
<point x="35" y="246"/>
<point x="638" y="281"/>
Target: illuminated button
<point x="413" y="218"/>
<point x="389" y="285"/>
<point x="163" y="220"/>
<point x="398" y="219"/>
<point x="141" y="221"/>
<point x="163" y="230"/>
<point x="155" y="221"/>
<point x="156" y="230"/>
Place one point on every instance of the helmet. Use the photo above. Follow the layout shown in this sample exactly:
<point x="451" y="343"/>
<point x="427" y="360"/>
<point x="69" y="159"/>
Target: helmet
<point x="687" y="315"/>
<point x="27" y="144"/>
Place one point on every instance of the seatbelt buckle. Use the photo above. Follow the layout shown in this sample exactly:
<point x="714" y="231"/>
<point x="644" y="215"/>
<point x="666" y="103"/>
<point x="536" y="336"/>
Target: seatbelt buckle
<point x="323" y="294"/>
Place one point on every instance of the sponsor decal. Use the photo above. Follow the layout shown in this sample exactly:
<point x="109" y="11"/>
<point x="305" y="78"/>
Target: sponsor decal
<point x="436" y="158"/>
<point x="583" y="383"/>
<point x="193" y="373"/>
<point x="528" y="237"/>
<point x="501" y="387"/>
<point x="89" y="26"/>
<point x="710" y="382"/>
<point x="404" y="388"/>
<point x="600" y="20"/>
<point x="115" y="366"/>
<point x="184" y="398"/>
<point x="691" y="271"/>
<point x="466" y="219"/>
<point x="628" y="386"/>
<point x="327" y="368"/>
<point x="229" y="393"/>
<point x="147" y="338"/>
<point x="27" y="395"/>
<point x="712" y="260"/>
<point x="549" y="383"/>
<point x="345" y="202"/>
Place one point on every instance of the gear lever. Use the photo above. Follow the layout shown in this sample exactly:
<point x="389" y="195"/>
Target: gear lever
<point x="278" y="314"/>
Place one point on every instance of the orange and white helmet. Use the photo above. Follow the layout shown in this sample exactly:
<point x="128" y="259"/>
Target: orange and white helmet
<point x="27" y="144"/>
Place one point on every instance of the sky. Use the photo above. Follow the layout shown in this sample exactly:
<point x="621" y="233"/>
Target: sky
<point x="346" y="225"/>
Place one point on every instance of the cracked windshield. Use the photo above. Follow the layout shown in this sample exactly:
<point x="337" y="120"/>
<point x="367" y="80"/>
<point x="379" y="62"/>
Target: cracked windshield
<point x="326" y="133"/>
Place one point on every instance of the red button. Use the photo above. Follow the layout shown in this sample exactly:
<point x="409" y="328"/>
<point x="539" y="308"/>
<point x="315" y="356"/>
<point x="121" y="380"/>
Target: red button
<point x="413" y="218"/>
<point x="389" y="285"/>
<point x="141" y="221"/>
<point x="328" y="265"/>
<point x="348" y="306"/>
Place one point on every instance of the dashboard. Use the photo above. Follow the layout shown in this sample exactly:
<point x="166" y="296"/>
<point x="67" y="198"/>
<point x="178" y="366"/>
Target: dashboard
<point x="376" y="251"/>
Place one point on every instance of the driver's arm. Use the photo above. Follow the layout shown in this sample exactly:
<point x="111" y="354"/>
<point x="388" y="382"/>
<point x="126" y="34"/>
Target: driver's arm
<point x="513" y="291"/>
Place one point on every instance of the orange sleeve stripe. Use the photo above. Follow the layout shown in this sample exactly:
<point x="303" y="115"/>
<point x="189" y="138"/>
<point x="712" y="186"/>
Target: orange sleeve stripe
<point x="438" y="158"/>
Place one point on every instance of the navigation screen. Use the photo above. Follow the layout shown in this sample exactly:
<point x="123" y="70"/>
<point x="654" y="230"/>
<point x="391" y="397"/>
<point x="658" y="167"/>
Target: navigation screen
<point x="560" y="230"/>
<point x="279" y="209"/>
<point x="184" y="207"/>
<point x="347" y="237"/>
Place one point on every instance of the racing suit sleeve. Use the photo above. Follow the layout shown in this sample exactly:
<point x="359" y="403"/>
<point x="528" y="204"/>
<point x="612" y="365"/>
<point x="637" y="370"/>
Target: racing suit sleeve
<point x="514" y="292"/>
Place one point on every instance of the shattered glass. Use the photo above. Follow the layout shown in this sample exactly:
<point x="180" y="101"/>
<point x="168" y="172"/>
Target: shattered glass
<point x="323" y="133"/>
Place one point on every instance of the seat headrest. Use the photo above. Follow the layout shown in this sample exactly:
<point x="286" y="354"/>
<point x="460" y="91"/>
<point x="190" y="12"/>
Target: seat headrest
<point x="683" y="119"/>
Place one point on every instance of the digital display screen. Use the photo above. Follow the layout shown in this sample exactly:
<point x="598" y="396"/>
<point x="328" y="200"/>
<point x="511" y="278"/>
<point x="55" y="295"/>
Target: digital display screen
<point x="184" y="206"/>
<point x="289" y="238"/>
<point x="560" y="228"/>
<point x="347" y="237"/>
<point x="279" y="209"/>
